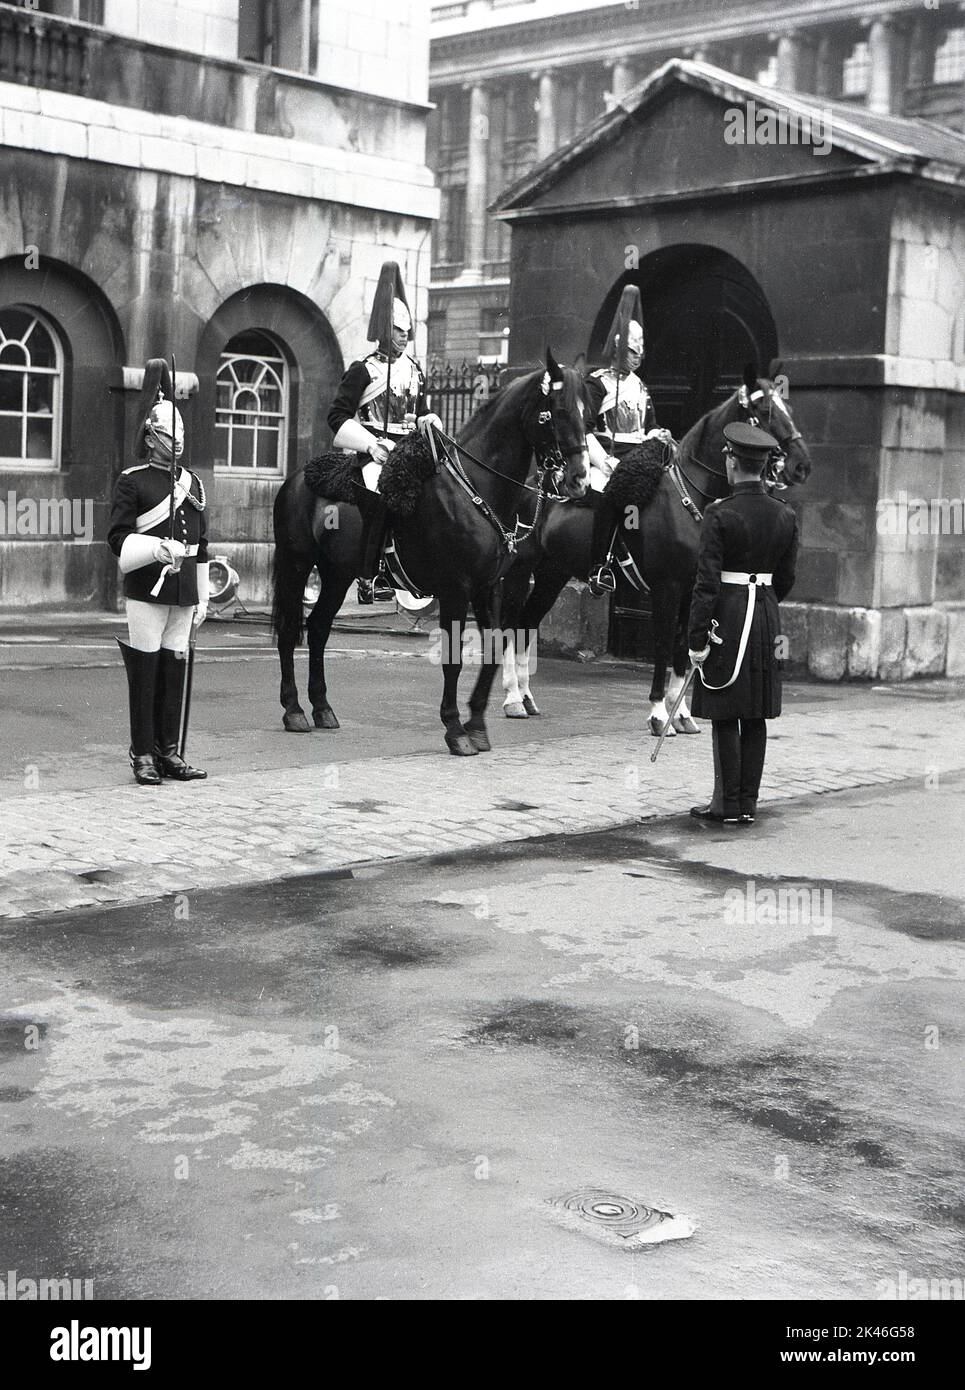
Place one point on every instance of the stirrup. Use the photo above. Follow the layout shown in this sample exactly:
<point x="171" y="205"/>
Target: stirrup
<point x="602" y="581"/>
<point x="382" y="589"/>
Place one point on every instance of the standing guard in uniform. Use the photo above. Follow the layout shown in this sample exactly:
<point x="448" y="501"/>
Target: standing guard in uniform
<point x="624" y="418"/>
<point x="166" y="580"/>
<point x="748" y="549"/>
<point x="379" y="401"/>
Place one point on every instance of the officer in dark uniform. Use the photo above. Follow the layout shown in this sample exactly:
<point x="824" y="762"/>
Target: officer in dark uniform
<point x="380" y="400"/>
<point x="748" y="549"/>
<point x="166" y="580"/>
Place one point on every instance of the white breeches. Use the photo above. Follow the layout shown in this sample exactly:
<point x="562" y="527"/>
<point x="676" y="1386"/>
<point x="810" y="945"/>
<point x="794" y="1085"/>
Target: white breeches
<point x="371" y="473"/>
<point x="151" y="626"/>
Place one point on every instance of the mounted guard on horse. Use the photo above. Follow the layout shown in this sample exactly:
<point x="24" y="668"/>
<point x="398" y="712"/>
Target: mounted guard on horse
<point x="380" y="401"/>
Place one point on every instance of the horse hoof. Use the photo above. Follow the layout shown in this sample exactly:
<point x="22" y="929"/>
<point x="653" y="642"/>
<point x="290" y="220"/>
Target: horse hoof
<point x="685" y="725"/>
<point x="461" y="746"/>
<point x="657" y="727"/>
<point x="480" y="740"/>
<point x="297" y="724"/>
<point x="325" y="719"/>
<point x="530" y="706"/>
<point x="516" y="710"/>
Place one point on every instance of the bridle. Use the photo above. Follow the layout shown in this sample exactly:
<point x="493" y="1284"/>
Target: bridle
<point x="550" y="464"/>
<point x="775" y="465"/>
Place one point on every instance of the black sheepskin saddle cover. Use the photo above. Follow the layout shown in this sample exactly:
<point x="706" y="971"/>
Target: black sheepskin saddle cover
<point x="408" y="467"/>
<point x="337" y="477"/>
<point x="333" y="476"/>
<point x="637" y="476"/>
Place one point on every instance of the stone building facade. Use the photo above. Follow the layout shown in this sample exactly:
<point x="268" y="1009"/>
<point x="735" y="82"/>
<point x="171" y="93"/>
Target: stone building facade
<point x="514" y="80"/>
<point x="844" y="256"/>
<point x="218" y="179"/>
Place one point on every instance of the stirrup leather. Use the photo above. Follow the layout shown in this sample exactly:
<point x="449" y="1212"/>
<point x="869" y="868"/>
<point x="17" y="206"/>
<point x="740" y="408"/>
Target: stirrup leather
<point x="394" y="570"/>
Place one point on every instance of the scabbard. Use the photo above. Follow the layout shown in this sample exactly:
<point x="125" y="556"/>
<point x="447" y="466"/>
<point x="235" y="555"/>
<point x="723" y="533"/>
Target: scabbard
<point x="186" y="694"/>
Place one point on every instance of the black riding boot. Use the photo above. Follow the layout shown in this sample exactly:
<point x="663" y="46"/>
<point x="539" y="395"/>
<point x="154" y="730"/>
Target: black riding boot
<point x="753" y="753"/>
<point x="374" y="522"/>
<point x="172" y="674"/>
<point x="602" y="578"/>
<point x="727" y="757"/>
<point x="142" y="678"/>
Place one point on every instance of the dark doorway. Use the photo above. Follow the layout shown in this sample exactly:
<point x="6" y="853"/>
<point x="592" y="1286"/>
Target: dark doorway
<point x="704" y="317"/>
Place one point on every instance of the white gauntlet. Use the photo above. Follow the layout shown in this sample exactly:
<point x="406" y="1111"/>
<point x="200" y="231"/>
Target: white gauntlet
<point x="353" y="435"/>
<point x="139" y="551"/>
<point x="204" y="592"/>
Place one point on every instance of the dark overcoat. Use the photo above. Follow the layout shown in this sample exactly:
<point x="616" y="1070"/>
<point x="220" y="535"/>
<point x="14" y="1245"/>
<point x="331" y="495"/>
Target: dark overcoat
<point x="748" y="532"/>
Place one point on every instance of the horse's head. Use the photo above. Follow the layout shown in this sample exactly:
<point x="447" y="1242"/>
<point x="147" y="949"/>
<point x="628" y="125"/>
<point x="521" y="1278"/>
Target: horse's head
<point x="555" y="425"/>
<point x="761" y="400"/>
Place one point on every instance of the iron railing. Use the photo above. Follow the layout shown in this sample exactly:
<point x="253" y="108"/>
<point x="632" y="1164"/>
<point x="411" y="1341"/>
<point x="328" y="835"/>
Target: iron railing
<point x="456" y="391"/>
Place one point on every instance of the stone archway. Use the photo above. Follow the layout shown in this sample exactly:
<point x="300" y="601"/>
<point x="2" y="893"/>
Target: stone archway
<point x="704" y="316"/>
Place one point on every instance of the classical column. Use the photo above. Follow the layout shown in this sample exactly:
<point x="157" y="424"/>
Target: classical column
<point x="826" y="83"/>
<point x="477" y="158"/>
<point x="789" y="62"/>
<point x="307" y="36"/>
<point x="885" y="78"/>
<point x="546" y="141"/>
<point x="622" y="79"/>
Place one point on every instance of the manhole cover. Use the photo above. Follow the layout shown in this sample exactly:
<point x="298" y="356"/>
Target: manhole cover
<point x="621" y="1220"/>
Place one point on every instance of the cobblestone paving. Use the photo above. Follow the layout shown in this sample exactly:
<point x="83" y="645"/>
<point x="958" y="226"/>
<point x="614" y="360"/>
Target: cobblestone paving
<point x="74" y="850"/>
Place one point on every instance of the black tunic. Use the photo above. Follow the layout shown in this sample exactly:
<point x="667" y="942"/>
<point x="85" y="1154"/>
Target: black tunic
<point x="750" y="532"/>
<point x="136" y="492"/>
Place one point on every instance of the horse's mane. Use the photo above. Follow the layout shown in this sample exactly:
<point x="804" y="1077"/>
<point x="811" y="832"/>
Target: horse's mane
<point x="529" y="389"/>
<point x="695" y="439"/>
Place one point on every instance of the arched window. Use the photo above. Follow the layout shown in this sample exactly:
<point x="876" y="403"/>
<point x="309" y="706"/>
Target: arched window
<point x="252" y="407"/>
<point x="31" y="390"/>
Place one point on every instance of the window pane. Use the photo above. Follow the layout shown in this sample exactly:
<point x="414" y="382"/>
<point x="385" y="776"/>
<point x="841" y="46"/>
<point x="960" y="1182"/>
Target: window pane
<point x="40" y="439"/>
<point x="13" y="355"/>
<point x="10" y="437"/>
<point x="40" y="345"/>
<point x="11" y="390"/>
<point x="243" y="449"/>
<point x="221" y="448"/>
<point x="40" y="394"/>
<point x="15" y="322"/>
<point x="267" y="448"/>
<point x="254" y="345"/>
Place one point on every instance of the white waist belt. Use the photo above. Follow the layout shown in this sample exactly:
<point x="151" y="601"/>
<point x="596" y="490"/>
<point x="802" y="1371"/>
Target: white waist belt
<point x="739" y="577"/>
<point x="636" y="437"/>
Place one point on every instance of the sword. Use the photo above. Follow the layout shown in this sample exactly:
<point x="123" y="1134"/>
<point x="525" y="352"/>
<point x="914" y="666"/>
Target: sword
<point x="682" y="694"/>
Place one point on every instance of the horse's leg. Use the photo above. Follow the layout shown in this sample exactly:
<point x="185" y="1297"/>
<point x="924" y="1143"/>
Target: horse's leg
<point x="684" y="721"/>
<point x="333" y="591"/>
<point x="515" y="588"/>
<point x="666" y="598"/>
<point x="290" y="577"/>
<point x="551" y="579"/>
<point x="486" y="607"/>
<point x="452" y="621"/>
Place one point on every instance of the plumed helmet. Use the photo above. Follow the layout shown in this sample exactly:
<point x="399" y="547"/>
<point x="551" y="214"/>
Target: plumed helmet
<point x="158" y="420"/>
<point x="164" y="429"/>
<point x="626" y="330"/>
<point x="390" y="308"/>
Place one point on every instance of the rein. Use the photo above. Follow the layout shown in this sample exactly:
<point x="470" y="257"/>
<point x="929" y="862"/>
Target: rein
<point x="547" y="460"/>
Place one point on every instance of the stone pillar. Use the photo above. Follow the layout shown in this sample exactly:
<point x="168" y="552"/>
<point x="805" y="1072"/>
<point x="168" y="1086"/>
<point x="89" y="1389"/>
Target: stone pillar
<point x="477" y="159"/>
<point x="622" y="79"/>
<point x="826" y="62"/>
<point x="307" y="36"/>
<point x="884" y="57"/>
<point x="789" y="54"/>
<point x="546" y="116"/>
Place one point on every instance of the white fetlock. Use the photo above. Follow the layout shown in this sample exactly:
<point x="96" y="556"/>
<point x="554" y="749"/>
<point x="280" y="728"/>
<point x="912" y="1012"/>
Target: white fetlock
<point x="513" y="701"/>
<point x="659" y="718"/>
<point x="514" y="709"/>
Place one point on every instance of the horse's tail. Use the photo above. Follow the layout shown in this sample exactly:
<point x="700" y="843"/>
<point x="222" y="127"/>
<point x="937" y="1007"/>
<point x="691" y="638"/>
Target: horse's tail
<point x="288" y="579"/>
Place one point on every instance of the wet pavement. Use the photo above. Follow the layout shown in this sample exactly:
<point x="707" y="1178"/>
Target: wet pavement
<point x="381" y="1082"/>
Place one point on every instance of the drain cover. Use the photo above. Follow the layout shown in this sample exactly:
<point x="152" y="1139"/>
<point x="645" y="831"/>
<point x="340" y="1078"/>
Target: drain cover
<point x="621" y="1220"/>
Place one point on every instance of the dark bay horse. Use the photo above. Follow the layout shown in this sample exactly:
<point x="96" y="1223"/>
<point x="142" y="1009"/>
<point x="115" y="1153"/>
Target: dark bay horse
<point x="662" y="539"/>
<point x="454" y="545"/>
